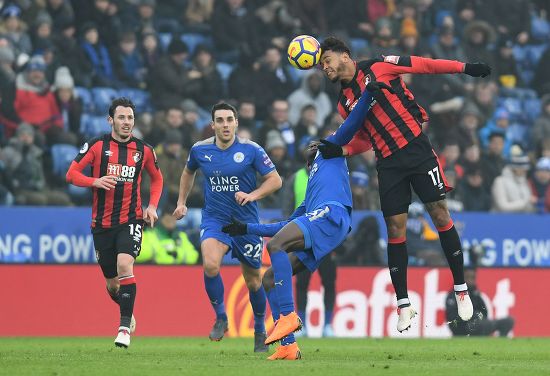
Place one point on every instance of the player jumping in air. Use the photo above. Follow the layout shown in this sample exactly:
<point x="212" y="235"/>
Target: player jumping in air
<point x="316" y="227"/>
<point x="404" y="154"/>
<point x="117" y="161"/>
<point x="229" y="165"/>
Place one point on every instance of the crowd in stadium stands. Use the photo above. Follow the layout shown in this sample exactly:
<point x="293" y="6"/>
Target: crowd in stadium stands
<point x="62" y="62"/>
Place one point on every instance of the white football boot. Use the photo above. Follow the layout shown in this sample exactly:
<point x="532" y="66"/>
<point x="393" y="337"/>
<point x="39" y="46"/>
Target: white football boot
<point x="464" y="305"/>
<point x="406" y="315"/>
<point x="123" y="337"/>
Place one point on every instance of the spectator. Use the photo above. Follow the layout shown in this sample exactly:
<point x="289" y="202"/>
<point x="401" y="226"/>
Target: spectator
<point x="470" y="156"/>
<point x="310" y="92"/>
<point x="541" y="80"/>
<point x="150" y="50"/>
<point x="247" y="116"/>
<point x="231" y="29"/>
<point x="128" y="62"/>
<point x="69" y="105"/>
<point x="97" y="56"/>
<point x="408" y="42"/>
<point x="8" y="115"/>
<point x="210" y="84"/>
<point x="243" y="80"/>
<point x="171" y="160"/>
<point x="277" y="23"/>
<point x="511" y="192"/>
<point x="512" y="19"/>
<point x="541" y="128"/>
<point x="103" y="14"/>
<point x="173" y="121"/>
<point x="6" y="197"/>
<point x="540" y="185"/>
<point x="197" y="15"/>
<point x="146" y="19"/>
<point x="276" y="148"/>
<point x="35" y="103"/>
<point x="499" y="124"/>
<point x="311" y="13"/>
<point x="468" y="127"/>
<point x="60" y="11"/>
<point x="449" y="158"/>
<point x="42" y="32"/>
<point x="492" y="161"/>
<point x="384" y="41"/>
<point x="483" y="99"/>
<point x="307" y="126"/>
<point x="362" y="247"/>
<point x="478" y="35"/>
<point x="166" y="245"/>
<point x="505" y="68"/>
<point x="278" y="121"/>
<point x="475" y="197"/>
<point x="480" y="324"/>
<point x="70" y="54"/>
<point x="169" y="81"/>
<point x="24" y="167"/>
<point x="13" y="29"/>
<point x="274" y="75"/>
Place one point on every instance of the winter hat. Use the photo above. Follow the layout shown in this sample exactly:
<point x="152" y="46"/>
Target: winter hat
<point x="543" y="164"/>
<point x="189" y="105"/>
<point x="274" y="140"/>
<point x="36" y="63"/>
<point x="11" y="11"/>
<point x="518" y="158"/>
<point x="177" y="46"/>
<point x="501" y="113"/>
<point x="6" y="55"/>
<point x="24" y="128"/>
<point x="63" y="78"/>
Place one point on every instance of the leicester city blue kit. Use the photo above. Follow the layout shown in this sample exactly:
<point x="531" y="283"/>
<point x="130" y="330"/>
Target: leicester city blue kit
<point x="227" y="172"/>
<point x="325" y="214"/>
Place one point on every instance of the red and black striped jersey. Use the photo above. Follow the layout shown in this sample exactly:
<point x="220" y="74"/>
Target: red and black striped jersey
<point x="396" y="119"/>
<point x="124" y="161"/>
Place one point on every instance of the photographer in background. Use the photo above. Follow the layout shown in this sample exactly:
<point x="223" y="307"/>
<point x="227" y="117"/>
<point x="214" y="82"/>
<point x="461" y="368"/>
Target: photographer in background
<point x="479" y="324"/>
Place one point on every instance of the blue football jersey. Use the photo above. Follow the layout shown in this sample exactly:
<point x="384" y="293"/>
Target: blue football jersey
<point x="227" y="172"/>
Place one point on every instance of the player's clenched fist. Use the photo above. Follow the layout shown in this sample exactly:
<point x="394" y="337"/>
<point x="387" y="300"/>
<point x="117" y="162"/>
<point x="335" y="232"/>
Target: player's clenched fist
<point x="106" y="182"/>
<point x="180" y="212"/>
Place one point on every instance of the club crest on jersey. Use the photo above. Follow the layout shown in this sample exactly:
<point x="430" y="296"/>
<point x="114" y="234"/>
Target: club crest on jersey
<point x="136" y="156"/>
<point x="367" y="79"/>
<point x="84" y="148"/>
<point x="392" y="59"/>
<point x="238" y="157"/>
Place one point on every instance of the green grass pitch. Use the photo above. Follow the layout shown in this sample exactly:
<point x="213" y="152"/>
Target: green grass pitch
<point x="234" y="356"/>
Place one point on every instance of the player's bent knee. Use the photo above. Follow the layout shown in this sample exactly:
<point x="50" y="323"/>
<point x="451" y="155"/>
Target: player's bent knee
<point x="211" y="268"/>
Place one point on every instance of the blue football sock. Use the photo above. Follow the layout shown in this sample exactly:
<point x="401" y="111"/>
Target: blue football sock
<point x="283" y="281"/>
<point x="257" y="300"/>
<point x="215" y="291"/>
<point x="288" y="339"/>
<point x="274" y="304"/>
<point x="328" y="317"/>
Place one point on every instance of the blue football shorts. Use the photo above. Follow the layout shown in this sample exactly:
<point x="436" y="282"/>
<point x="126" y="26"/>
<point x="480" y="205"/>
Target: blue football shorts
<point x="324" y="229"/>
<point x="247" y="248"/>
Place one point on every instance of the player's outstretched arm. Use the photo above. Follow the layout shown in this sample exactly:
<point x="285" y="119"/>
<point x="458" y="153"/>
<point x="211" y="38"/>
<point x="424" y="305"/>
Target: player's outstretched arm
<point x="186" y="183"/>
<point x="272" y="182"/>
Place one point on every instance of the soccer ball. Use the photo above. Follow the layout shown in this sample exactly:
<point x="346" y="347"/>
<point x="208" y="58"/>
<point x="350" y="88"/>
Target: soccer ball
<point x="304" y="52"/>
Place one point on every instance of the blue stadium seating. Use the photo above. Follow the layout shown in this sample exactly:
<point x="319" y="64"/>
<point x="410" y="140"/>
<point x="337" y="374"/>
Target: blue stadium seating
<point x="62" y="156"/>
<point x="164" y="40"/>
<point x="225" y="70"/>
<point x="86" y="97"/>
<point x="92" y="126"/>
<point x="141" y="98"/>
<point x="102" y="99"/>
<point x="532" y="109"/>
<point x="193" y="40"/>
<point x="513" y="106"/>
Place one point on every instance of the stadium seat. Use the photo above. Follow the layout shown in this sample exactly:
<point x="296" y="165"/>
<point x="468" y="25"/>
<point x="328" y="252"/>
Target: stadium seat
<point x="141" y="98"/>
<point x="193" y="40"/>
<point x="531" y="109"/>
<point x="225" y="70"/>
<point x="62" y="156"/>
<point x="86" y="97"/>
<point x="92" y="126"/>
<point x="513" y="106"/>
<point x="102" y="98"/>
<point x="518" y="134"/>
<point x="358" y="45"/>
<point x="164" y="40"/>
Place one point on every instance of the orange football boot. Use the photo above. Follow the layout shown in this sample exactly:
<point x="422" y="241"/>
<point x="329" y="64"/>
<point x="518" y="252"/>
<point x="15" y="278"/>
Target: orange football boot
<point x="288" y="352"/>
<point x="285" y="325"/>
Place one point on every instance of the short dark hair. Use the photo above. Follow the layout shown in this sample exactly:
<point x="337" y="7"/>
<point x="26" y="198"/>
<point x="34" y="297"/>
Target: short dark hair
<point x="223" y="106"/>
<point x="334" y="44"/>
<point x="121" y="101"/>
<point x="494" y="134"/>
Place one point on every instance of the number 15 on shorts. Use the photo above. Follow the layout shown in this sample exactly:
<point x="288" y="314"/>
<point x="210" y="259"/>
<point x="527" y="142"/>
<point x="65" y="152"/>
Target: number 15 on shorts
<point x="436" y="177"/>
